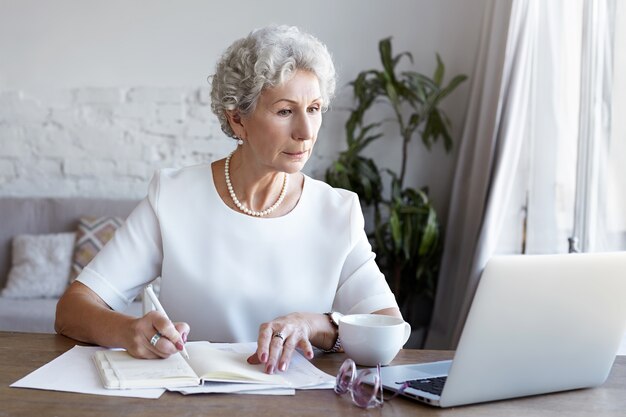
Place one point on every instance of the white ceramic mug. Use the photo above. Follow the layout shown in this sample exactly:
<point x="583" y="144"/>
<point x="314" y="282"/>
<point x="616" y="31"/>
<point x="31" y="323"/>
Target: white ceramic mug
<point x="370" y="339"/>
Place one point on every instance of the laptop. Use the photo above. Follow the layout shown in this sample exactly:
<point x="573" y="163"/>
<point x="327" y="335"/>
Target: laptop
<point x="537" y="324"/>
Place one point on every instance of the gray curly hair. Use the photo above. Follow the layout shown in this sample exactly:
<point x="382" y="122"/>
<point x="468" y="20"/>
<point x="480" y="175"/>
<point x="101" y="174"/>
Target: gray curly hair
<point x="267" y="57"/>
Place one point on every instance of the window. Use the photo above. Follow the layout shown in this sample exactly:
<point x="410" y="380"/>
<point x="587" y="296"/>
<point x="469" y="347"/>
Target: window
<point x="570" y="191"/>
<point x="612" y="234"/>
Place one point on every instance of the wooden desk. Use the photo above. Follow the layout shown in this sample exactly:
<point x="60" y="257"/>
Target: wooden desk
<point x="22" y="353"/>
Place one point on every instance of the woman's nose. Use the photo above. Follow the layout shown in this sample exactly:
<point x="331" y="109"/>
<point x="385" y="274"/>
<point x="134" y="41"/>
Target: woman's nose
<point x="304" y="128"/>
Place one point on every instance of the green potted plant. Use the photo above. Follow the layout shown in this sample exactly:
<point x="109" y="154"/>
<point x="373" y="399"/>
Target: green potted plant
<point x="406" y="233"/>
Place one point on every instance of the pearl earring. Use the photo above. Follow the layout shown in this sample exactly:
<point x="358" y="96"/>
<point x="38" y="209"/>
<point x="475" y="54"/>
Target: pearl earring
<point x="240" y="142"/>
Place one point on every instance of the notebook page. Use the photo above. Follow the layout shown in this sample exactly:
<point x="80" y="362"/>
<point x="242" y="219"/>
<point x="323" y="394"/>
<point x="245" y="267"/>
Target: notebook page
<point x="213" y="364"/>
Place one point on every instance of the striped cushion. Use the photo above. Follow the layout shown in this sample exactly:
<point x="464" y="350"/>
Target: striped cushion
<point x="92" y="234"/>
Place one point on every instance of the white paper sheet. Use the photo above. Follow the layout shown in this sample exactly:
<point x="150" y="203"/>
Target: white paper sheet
<point x="74" y="371"/>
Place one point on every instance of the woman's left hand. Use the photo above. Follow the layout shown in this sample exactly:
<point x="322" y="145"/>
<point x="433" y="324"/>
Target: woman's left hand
<point x="280" y="337"/>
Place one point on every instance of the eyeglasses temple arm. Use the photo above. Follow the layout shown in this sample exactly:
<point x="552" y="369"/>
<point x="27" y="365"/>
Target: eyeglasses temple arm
<point x="380" y="385"/>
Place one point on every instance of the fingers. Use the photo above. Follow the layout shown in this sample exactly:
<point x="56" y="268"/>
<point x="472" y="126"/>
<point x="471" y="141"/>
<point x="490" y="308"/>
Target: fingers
<point x="168" y="331"/>
<point x="161" y="337"/>
<point x="278" y="339"/>
<point x="279" y="345"/>
<point x="265" y="336"/>
<point x="307" y="348"/>
<point x="183" y="329"/>
<point x="253" y="359"/>
<point x="291" y="343"/>
<point x="287" y="352"/>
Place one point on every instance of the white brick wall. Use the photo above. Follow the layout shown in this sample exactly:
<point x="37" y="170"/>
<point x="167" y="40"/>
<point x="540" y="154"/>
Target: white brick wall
<point x="107" y="142"/>
<point x="103" y="141"/>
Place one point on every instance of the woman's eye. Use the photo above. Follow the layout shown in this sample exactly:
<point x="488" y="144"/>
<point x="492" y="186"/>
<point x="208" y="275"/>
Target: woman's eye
<point x="314" y="109"/>
<point x="284" y="112"/>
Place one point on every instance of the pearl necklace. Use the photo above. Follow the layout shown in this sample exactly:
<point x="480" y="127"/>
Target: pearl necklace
<point x="241" y="206"/>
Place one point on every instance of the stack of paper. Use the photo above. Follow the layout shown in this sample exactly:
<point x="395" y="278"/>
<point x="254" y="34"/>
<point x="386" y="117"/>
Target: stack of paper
<point x="74" y="371"/>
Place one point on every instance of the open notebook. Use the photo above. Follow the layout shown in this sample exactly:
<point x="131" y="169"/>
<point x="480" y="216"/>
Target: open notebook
<point x="119" y="370"/>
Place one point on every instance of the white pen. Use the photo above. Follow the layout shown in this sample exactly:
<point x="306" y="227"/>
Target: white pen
<point x="160" y="309"/>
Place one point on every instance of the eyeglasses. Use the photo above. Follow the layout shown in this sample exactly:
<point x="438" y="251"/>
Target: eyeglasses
<point x="365" y="386"/>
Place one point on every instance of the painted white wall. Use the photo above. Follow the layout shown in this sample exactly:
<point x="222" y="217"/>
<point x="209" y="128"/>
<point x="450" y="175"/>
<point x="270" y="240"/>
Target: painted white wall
<point x="53" y="51"/>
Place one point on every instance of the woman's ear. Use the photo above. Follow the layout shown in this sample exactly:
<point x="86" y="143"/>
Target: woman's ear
<point x="236" y="123"/>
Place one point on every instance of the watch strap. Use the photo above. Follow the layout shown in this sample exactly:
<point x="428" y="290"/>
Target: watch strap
<point x="337" y="345"/>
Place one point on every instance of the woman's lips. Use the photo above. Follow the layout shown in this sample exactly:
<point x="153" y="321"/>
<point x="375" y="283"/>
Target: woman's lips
<point x="296" y="154"/>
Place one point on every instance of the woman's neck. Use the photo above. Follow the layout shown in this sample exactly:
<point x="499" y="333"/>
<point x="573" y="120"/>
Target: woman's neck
<point x="255" y="187"/>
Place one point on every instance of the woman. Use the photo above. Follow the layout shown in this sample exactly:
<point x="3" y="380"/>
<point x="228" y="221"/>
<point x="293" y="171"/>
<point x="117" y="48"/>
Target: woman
<point x="248" y="247"/>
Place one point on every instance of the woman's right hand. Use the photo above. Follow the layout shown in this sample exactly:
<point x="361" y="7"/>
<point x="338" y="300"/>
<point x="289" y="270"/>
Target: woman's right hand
<point x="82" y="315"/>
<point x="142" y="330"/>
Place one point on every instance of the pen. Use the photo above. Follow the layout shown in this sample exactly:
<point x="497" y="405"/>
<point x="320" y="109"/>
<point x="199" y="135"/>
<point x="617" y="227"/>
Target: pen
<point x="160" y="309"/>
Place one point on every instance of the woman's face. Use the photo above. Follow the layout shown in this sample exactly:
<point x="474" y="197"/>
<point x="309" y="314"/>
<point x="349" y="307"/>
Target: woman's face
<point x="281" y="131"/>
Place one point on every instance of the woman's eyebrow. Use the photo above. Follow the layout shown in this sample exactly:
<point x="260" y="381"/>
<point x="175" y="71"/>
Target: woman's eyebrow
<point x="295" y="101"/>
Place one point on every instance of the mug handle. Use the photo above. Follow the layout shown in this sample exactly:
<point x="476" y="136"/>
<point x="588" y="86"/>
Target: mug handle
<point x="407" y="332"/>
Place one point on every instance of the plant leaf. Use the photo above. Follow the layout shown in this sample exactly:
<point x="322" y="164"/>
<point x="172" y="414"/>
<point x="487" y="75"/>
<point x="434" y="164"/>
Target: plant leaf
<point x="384" y="47"/>
<point x="392" y="94"/>
<point x="438" y="77"/>
<point x="452" y="85"/>
<point x="407" y="238"/>
<point x="397" y="58"/>
<point x="430" y="235"/>
<point x="437" y="96"/>
<point x="417" y="78"/>
<point x="396" y="229"/>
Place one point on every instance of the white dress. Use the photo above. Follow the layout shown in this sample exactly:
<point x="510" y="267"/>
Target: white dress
<point x="225" y="273"/>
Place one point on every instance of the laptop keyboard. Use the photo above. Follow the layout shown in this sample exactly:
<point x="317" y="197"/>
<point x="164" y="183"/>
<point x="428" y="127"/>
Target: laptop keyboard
<point x="430" y="385"/>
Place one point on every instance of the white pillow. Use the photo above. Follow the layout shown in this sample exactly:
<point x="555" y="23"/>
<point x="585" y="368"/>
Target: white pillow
<point x="40" y="266"/>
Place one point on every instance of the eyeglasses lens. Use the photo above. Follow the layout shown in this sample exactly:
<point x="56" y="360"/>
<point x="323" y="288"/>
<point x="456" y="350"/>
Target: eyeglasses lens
<point x="365" y="389"/>
<point x="345" y="377"/>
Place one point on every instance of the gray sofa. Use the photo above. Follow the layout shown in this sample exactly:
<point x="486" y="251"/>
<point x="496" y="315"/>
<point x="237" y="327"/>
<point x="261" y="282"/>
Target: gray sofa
<point x="40" y="216"/>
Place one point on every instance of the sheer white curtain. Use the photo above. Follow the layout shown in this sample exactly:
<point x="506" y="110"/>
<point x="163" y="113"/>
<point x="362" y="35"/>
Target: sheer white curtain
<point x="594" y="138"/>
<point x="543" y="153"/>
<point x="495" y="127"/>
<point x="570" y="182"/>
<point x="615" y="196"/>
<point x="541" y="212"/>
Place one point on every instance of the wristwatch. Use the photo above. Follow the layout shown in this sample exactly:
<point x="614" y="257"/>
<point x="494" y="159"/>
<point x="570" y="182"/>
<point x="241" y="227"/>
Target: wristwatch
<point x="334" y="317"/>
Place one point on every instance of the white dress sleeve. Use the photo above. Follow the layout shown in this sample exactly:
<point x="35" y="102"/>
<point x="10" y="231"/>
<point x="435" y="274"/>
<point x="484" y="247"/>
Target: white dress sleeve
<point x="132" y="258"/>
<point x="362" y="287"/>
